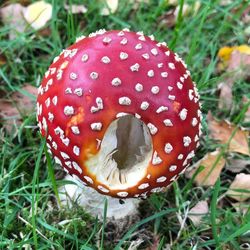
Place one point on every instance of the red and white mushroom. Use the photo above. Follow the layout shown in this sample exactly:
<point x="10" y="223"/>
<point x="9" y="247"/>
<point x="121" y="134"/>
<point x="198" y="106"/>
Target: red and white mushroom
<point x="120" y="113"/>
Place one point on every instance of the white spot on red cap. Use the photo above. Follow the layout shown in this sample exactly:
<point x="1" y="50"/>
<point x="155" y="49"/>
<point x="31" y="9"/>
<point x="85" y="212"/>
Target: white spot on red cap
<point x="151" y="73"/>
<point x="75" y="130"/>
<point x="116" y="81"/>
<point x="122" y="194"/>
<point x="47" y="102"/>
<point x="167" y="53"/>
<point x="161" y="179"/>
<point x="88" y="179"/>
<point x="68" y="91"/>
<point x="78" y="91"/>
<point x="194" y="121"/>
<point x="103" y="189"/>
<point x="138" y="46"/>
<point x="171" y="97"/>
<point x="155" y="90"/>
<point x="125" y="101"/>
<point x="124" y="41"/>
<point x="180" y="157"/>
<point x="172" y="168"/>
<point x="154" y="51"/>
<point x="54" y="145"/>
<point x="160" y="65"/>
<point x="76" y="150"/>
<point x="161" y="109"/>
<point x="157" y="190"/>
<point x="68" y="110"/>
<point x="179" y="85"/>
<point x="96" y="126"/>
<point x="144" y="105"/>
<point x="50" y="117"/>
<point x="106" y="40"/>
<point x="94" y="75"/>
<point x="123" y="56"/>
<point x="168" y="148"/>
<point x="143" y="186"/>
<point x="186" y="141"/>
<point x="54" y="100"/>
<point x="135" y="67"/>
<point x="168" y="123"/>
<point x="139" y="87"/>
<point x="183" y="114"/>
<point x="152" y="128"/>
<point x="73" y="76"/>
<point x="171" y="66"/>
<point x="145" y="56"/>
<point x="64" y="155"/>
<point x="85" y="58"/>
<point x="57" y="160"/>
<point x="106" y="59"/>
<point x="156" y="159"/>
<point x="76" y="167"/>
<point x="164" y="74"/>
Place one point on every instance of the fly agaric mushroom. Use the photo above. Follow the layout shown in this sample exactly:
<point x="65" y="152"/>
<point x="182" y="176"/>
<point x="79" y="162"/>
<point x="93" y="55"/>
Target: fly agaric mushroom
<point x="120" y="113"/>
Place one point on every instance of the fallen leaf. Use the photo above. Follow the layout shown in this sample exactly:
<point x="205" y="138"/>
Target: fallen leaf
<point x="2" y="59"/>
<point x="246" y="15"/>
<point x="137" y="3"/>
<point x="188" y="9"/>
<point x="76" y="9"/>
<point x="226" y="94"/>
<point x="211" y="171"/>
<point x="240" y="188"/>
<point x="198" y="212"/>
<point x="236" y="165"/>
<point x="173" y="2"/>
<point x="12" y="16"/>
<point x="223" y="131"/>
<point x="168" y="19"/>
<point x="38" y="14"/>
<point x="110" y="7"/>
<point x="18" y="104"/>
<point x="237" y="62"/>
<point x="246" y="100"/>
<point x="241" y="207"/>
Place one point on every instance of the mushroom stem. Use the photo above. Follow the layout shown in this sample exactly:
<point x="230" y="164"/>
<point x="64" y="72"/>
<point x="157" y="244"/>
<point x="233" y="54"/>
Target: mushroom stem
<point x="93" y="202"/>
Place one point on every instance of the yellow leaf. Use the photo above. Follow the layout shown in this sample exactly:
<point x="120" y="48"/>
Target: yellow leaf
<point x="211" y="171"/>
<point x="37" y="14"/>
<point x="225" y="52"/>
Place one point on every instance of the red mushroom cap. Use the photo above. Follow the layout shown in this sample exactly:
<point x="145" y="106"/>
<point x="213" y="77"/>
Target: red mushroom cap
<point x="110" y="78"/>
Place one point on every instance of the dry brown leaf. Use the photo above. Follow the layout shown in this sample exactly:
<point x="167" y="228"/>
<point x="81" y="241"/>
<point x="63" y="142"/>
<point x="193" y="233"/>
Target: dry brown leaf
<point x="12" y="16"/>
<point x="236" y="165"/>
<point x="197" y="212"/>
<point x="2" y="59"/>
<point x="240" y="188"/>
<point x="75" y="8"/>
<point x="223" y="131"/>
<point x="11" y="110"/>
<point x="211" y="171"/>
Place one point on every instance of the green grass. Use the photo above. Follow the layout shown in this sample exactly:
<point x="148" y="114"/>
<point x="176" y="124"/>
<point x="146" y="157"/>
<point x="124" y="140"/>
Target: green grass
<point x="29" y="214"/>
